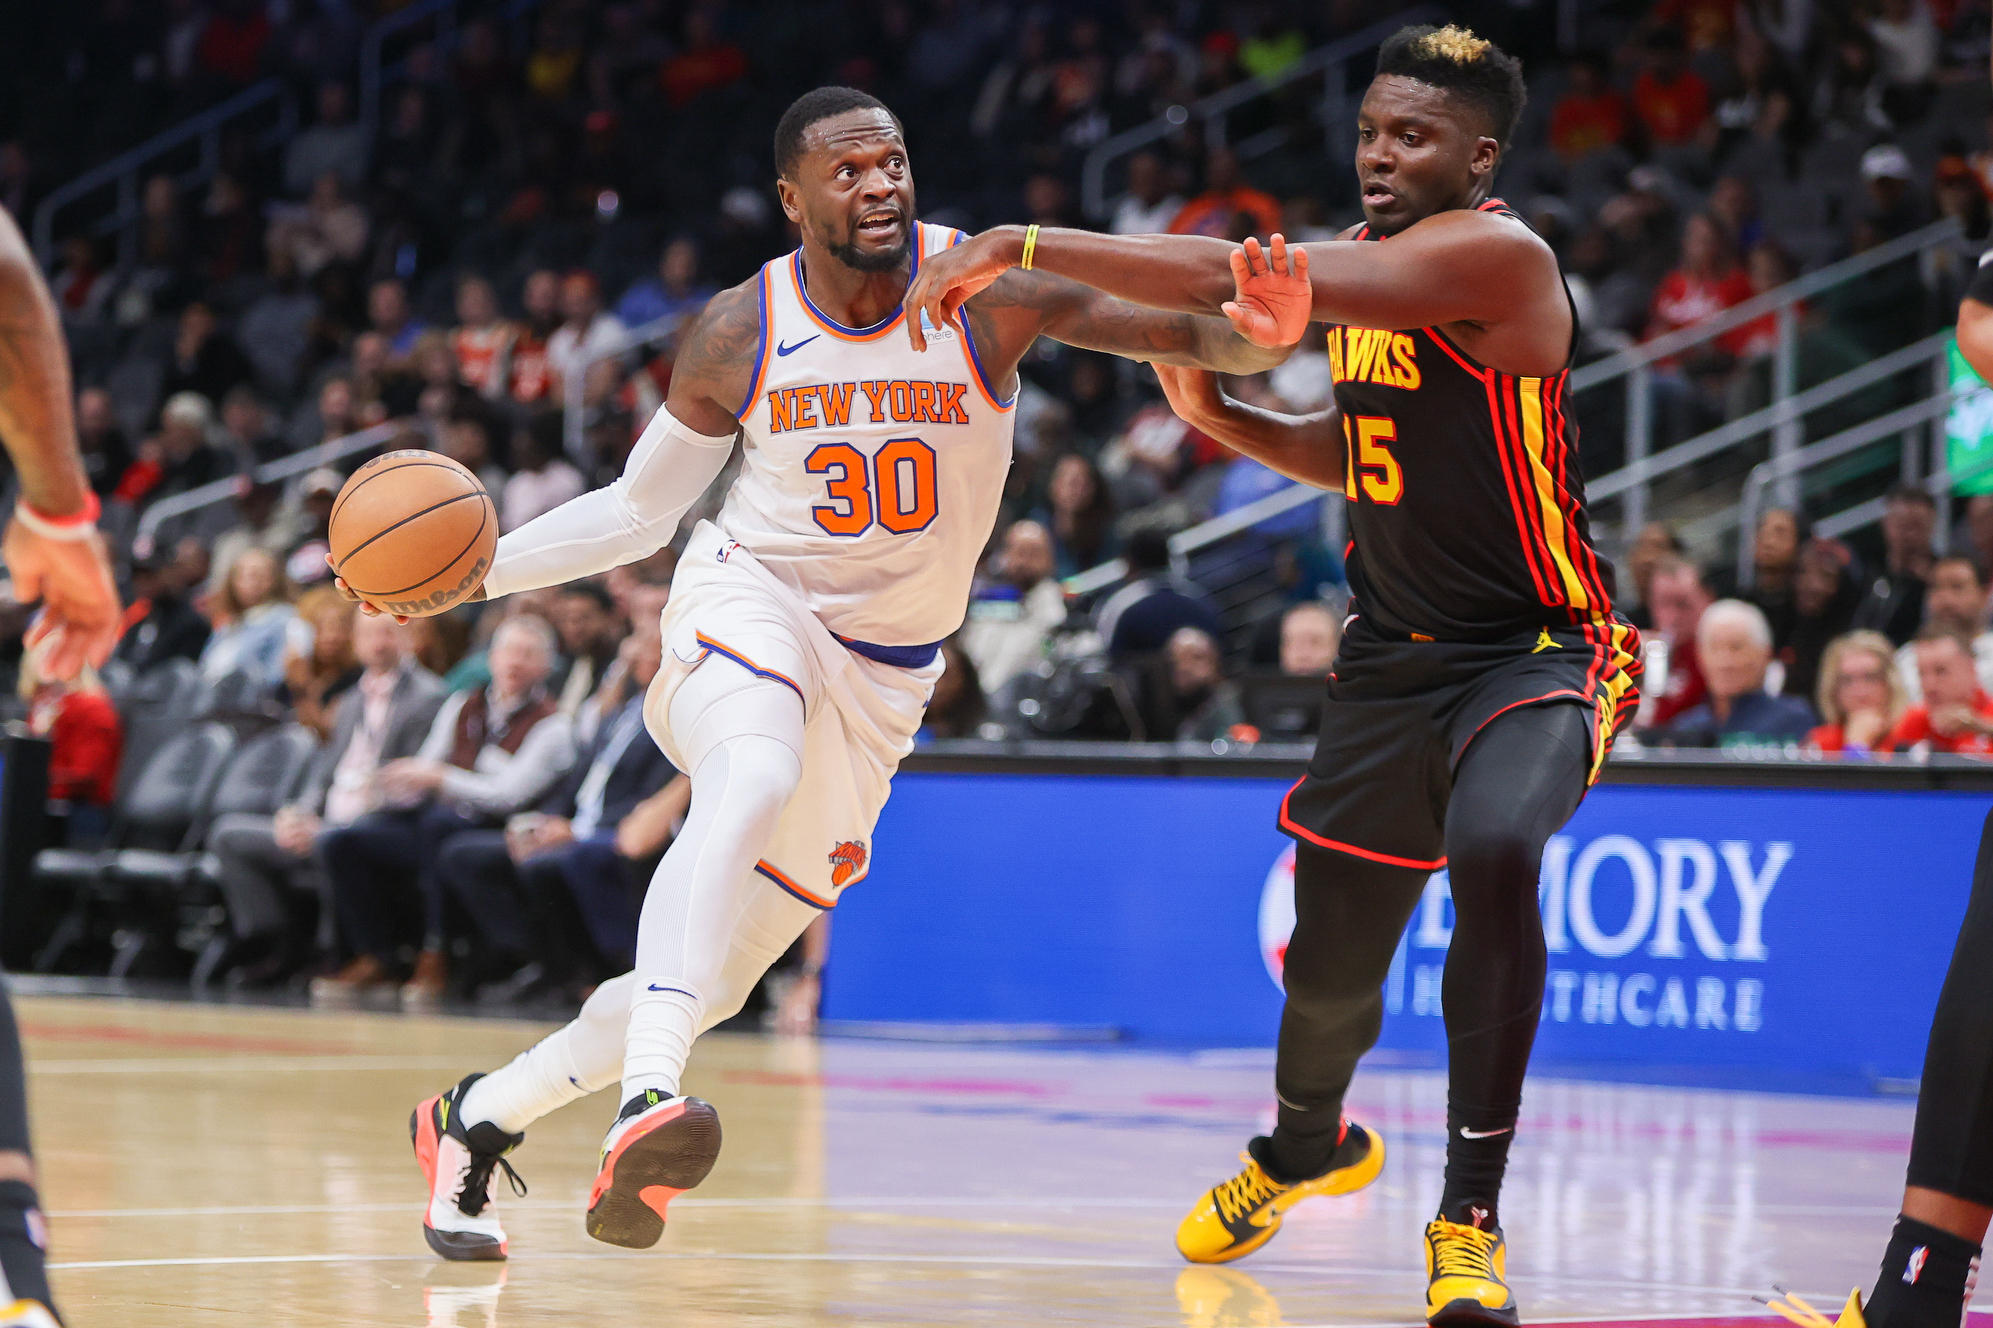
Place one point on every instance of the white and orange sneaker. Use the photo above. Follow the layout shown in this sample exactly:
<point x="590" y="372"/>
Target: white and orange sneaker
<point x="28" y="1314"/>
<point x="462" y="1219"/>
<point x="658" y="1148"/>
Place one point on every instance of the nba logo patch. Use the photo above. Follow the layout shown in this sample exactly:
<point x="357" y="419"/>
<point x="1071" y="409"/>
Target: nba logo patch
<point x="1914" y="1269"/>
<point x="846" y="861"/>
<point x="727" y="550"/>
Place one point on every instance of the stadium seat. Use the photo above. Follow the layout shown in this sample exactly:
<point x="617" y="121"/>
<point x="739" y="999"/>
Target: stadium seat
<point x="163" y="808"/>
<point x="153" y="710"/>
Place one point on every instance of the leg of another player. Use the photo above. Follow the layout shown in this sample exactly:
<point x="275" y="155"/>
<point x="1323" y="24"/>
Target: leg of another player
<point x="1928" y="1267"/>
<point x="22" y="1235"/>
<point x="1516" y="785"/>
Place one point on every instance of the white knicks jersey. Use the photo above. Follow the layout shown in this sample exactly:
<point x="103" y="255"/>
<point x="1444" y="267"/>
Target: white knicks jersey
<point x="872" y="472"/>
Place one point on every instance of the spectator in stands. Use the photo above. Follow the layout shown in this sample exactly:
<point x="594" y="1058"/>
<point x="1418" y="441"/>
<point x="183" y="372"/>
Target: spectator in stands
<point x="245" y="428"/>
<point x="957" y="708"/>
<point x="1079" y="514"/>
<point x="1310" y="634"/>
<point x="320" y="664"/>
<point x="1676" y="599"/>
<point x="83" y="731"/>
<point x="388" y="314"/>
<point x="676" y="290"/>
<point x="587" y="331"/>
<point x="304" y="561"/>
<point x="251" y="611"/>
<point x="159" y="622"/>
<point x="1975" y="534"/>
<point x="490" y="753"/>
<point x="1733" y="645"/>
<point x="1591" y="116"/>
<point x="177" y="459"/>
<point x="1226" y="197"/>
<point x="1150" y="205"/>
<point x="1906" y="42"/>
<point x="329" y="227"/>
<point x="1656" y="542"/>
<point x="467" y="440"/>
<point x="263" y="860"/>
<point x="1707" y="281"/>
<point x="1016" y="609"/>
<point x="204" y="359"/>
<point x="1955" y="599"/>
<point x="542" y="478"/>
<point x="276" y="327"/>
<point x="706" y="62"/>
<point x="1893" y="206"/>
<point x="1187" y="696"/>
<point x="531" y="372"/>
<point x="1780" y="535"/>
<point x="263" y="522"/>
<point x="1140" y="617"/>
<point x="552" y="893"/>
<point x="333" y="146"/>
<point x="590" y="636"/>
<point x="482" y="340"/>
<point x="1670" y="99"/>
<point x="1860" y="696"/>
<point x="1894" y="602"/>
<point x="106" y="453"/>
<point x="1956" y="715"/>
<point x="1823" y="603"/>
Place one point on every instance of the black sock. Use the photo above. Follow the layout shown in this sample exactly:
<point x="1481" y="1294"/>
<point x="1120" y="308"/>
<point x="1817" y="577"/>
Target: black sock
<point x="1477" y="1157"/>
<point x="22" y="1237"/>
<point x="1926" y="1276"/>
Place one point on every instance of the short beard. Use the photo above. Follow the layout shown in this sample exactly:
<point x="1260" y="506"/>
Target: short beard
<point x="863" y="260"/>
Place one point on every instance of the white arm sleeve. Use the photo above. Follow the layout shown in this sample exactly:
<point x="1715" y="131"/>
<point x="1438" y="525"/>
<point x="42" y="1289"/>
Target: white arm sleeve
<point x="633" y="518"/>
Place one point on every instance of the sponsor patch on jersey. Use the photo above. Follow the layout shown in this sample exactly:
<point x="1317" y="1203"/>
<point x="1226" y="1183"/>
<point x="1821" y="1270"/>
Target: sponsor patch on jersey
<point x="846" y="861"/>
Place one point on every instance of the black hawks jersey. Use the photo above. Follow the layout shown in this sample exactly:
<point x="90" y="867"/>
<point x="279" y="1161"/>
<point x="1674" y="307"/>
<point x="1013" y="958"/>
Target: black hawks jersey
<point x="1466" y="504"/>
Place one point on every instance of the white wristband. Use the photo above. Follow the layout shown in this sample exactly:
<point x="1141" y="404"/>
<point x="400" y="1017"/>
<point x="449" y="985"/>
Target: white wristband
<point x="74" y="529"/>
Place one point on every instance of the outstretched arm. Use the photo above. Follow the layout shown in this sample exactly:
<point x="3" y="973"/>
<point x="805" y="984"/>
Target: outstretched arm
<point x="1020" y="306"/>
<point x="1458" y="266"/>
<point x="52" y="548"/>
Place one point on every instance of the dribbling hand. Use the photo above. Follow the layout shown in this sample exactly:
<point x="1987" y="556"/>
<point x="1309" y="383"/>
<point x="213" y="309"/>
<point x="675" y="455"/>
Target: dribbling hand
<point x="1274" y="300"/>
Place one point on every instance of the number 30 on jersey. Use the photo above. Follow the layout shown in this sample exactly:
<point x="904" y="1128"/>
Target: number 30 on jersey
<point x="896" y="488"/>
<point x="1369" y="467"/>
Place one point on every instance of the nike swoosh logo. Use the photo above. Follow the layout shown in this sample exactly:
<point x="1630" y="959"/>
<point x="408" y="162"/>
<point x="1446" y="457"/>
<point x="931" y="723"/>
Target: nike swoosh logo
<point x="1465" y="1133"/>
<point x="781" y="349"/>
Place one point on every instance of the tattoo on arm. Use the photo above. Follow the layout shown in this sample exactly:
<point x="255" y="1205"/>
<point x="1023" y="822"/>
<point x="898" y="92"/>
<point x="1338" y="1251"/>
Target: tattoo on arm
<point x="716" y="358"/>
<point x="1080" y="316"/>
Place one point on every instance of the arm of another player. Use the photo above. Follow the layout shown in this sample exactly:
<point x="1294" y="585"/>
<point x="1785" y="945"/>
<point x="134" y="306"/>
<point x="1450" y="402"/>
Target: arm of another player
<point x="1457" y="266"/>
<point x="52" y="548"/>
<point x="1308" y="448"/>
<point x="1024" y="305"/>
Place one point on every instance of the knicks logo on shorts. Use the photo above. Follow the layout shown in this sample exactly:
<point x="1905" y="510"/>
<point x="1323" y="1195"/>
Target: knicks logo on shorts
<point x="846" y="861"/>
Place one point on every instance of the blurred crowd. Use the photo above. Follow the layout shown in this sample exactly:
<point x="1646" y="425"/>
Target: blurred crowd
<point x="495" y="261"/>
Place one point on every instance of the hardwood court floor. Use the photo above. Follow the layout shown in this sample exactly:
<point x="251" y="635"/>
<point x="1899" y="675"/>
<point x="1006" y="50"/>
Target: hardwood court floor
<point x="210" y="1166"/>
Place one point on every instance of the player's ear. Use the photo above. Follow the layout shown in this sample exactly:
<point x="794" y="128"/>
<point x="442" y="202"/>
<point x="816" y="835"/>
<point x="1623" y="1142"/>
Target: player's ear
<point x="792" y="198"/>
<point x="1487" y="155"/>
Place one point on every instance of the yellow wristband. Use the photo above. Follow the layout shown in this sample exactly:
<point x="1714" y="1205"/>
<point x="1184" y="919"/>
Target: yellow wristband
<point x="1030" y="245"/>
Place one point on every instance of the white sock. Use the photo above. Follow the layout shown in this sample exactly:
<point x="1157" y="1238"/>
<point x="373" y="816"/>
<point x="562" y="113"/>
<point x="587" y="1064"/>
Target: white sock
<point x="566" y="1065"/>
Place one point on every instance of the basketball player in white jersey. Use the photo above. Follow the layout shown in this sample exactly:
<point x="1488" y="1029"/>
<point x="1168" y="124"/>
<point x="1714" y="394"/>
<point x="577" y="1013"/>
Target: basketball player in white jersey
<point x="801" y="641"/>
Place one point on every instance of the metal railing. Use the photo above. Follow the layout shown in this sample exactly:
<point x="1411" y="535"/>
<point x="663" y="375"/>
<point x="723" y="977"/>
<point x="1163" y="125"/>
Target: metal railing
<point x="374" y="67"/>
<point x="1329" y="61"/>
<point x="126" y="169"/>
<point x="1783" y="419"/>
<point x="221" y="491"/>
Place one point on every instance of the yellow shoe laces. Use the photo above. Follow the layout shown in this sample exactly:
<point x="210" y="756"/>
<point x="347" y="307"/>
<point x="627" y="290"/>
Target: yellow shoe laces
<point x="1797" y="1311"/>
<point x="1464" y="1251"/>
<point x="1247" y="1190"/>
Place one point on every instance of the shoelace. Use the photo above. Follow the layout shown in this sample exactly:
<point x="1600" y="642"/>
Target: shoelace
<point x="1792" y="1308"/>
<point x="1464" y="1251"/>
<point x="471" y="1199"/>
<point x="1246" y="1191"/>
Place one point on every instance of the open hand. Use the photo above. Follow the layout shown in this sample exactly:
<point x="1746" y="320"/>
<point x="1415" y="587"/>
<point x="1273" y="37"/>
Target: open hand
<point x="951" y="277"/>
<point x="368" y="607"/>
<point x="1274" y="299"/>
<point x="72" y="578"/>
<point x="1193" y="393"/>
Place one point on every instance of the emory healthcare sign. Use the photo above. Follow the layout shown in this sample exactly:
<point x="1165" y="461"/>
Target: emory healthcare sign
<point x="1792" y="931"/>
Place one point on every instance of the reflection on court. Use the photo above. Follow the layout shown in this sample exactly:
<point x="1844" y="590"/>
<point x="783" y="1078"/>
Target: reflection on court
<point x="208" y="1167"/>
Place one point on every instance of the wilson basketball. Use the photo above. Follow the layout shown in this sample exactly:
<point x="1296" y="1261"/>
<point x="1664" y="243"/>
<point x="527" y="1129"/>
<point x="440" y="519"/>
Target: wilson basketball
<point x="413" y="532"/>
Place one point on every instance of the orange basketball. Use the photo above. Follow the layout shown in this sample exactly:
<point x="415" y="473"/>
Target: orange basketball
<point x="413" y="532"/>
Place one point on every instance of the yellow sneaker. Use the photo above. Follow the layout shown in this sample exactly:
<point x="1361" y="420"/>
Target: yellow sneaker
<point x="1798" y="1311"/>
<point x="1466" y="1273"/>
<point x="1241" y="1215"/>
<point x="27" y="1314"/>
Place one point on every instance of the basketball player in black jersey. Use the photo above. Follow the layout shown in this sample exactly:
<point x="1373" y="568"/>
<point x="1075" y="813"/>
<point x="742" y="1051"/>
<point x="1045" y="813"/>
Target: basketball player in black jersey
<point x="1484" y="673"/>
